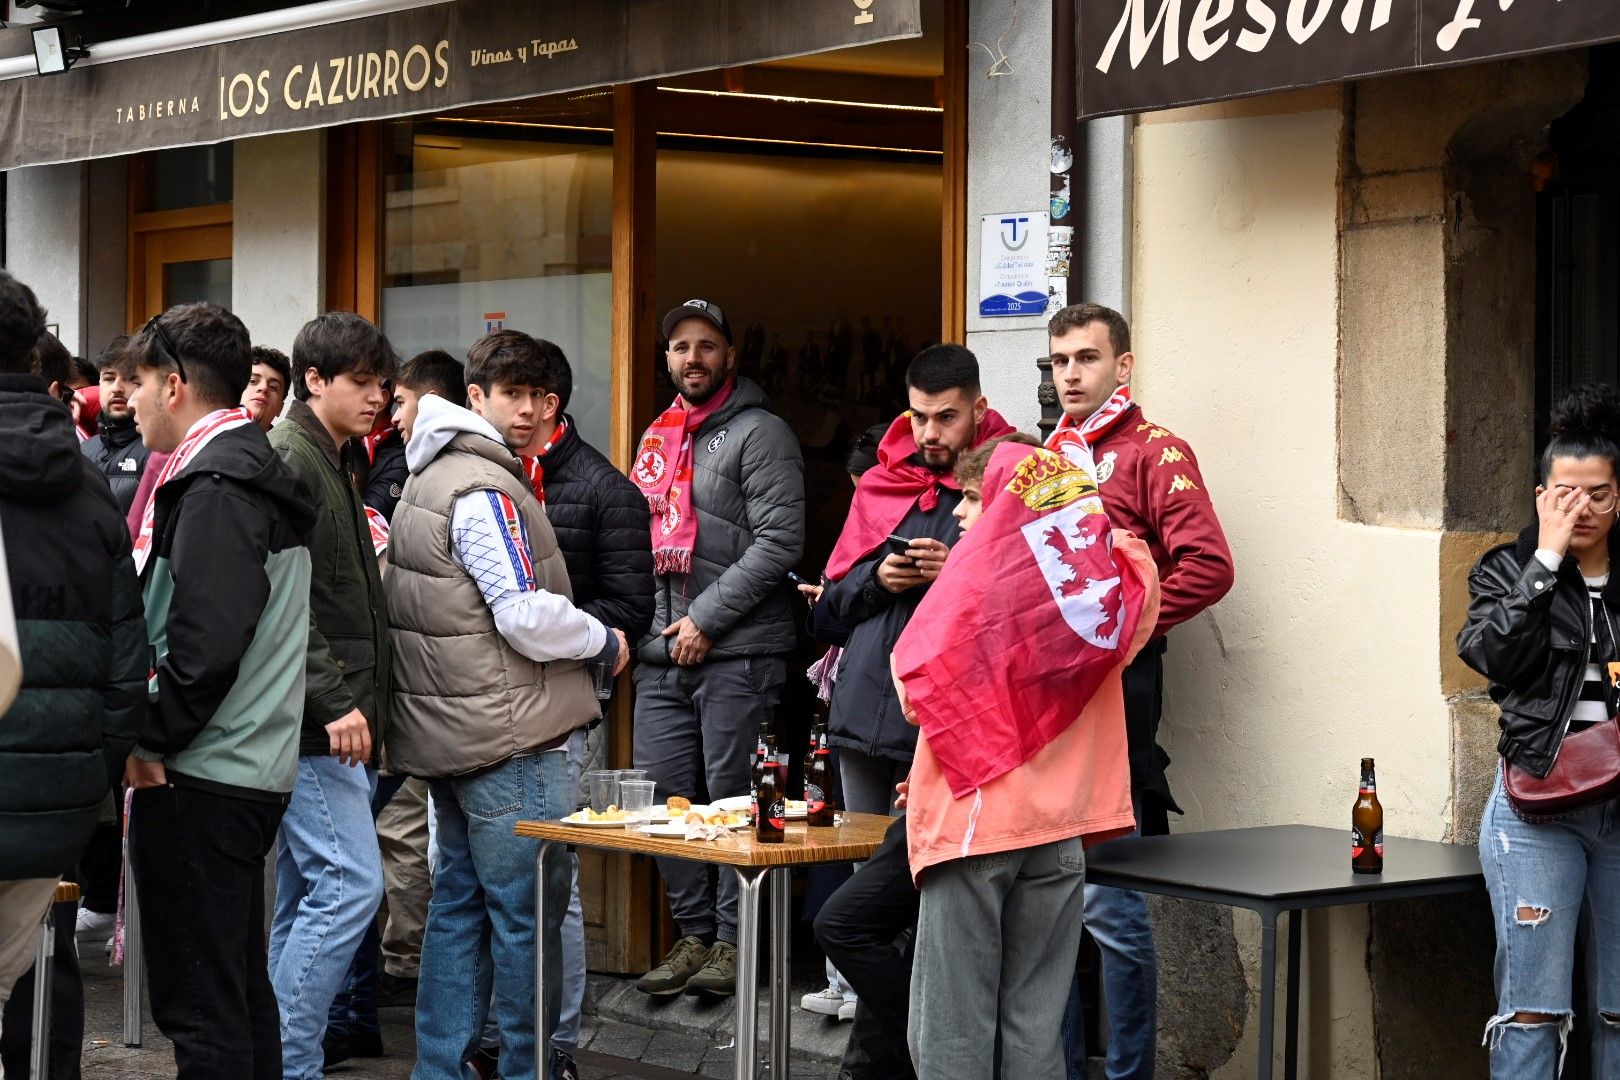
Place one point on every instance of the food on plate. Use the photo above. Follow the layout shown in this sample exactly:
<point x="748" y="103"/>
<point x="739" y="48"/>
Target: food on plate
<point x="612" y="813"/>
<point x="727" y="818"/>
<point x="692" y="818"/>
<point x="678" y="805"/>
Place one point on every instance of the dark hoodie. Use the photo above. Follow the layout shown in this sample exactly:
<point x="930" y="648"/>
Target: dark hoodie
<point x="227" y="610"/>
<point x="117" y="451"/>
<point x="83" y="643"/>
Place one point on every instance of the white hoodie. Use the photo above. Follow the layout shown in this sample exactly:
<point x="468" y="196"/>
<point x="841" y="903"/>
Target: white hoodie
<point x="539" y="624"/>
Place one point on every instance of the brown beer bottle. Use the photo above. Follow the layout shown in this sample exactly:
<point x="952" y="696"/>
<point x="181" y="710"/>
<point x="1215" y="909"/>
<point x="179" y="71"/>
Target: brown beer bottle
<point x="760" y="749"/>
<point x="818" y="777"/>
<point x="770" y="827"/>
<point x="1367" y="825"/>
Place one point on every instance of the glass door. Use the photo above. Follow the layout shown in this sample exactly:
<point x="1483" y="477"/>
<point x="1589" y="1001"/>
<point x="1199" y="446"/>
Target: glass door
<point x="180" y="229"/>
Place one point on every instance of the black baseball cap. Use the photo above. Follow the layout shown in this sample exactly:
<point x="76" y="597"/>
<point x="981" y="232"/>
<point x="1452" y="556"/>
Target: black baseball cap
<point x="697" y="309"/>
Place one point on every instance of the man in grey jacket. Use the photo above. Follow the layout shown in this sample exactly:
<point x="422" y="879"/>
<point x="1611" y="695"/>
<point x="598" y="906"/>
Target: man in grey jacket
<point x="724" y="481"/>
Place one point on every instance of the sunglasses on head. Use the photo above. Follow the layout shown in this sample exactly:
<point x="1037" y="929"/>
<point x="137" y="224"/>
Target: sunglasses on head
<point x="165" y="343"/>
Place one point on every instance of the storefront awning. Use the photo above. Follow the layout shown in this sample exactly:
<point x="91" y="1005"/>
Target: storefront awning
<point x="1140" y="55"/>
<point x="426" y="59"/>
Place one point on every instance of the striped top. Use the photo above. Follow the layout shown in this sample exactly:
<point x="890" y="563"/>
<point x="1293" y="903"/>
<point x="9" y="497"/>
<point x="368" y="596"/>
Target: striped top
<point x="1594" y="704"/>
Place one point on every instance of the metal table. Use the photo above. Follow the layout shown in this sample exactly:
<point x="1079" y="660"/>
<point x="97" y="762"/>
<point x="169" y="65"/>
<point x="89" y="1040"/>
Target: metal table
<point x="1277" y="869"/>
<point x="854" y="839"/>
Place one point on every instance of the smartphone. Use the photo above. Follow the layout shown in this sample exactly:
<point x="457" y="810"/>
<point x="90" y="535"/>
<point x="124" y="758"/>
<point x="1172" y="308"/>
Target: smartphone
<point x="796" y="579"/>
<point x="898" y="545"/>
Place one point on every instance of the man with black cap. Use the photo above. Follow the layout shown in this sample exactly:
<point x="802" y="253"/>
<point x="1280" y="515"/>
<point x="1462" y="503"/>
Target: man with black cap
<point x="724" y="481"/>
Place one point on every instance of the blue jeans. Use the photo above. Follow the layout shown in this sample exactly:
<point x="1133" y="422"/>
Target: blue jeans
<point x="480" y="928"/>
<point x="1545" y="880"/>
<point x="566" y="1038"/>
<point x="328" y="886"/>
<point x="1119" y="923"/>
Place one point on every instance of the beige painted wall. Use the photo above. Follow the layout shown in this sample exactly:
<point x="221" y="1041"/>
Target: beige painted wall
<point x="1327" y="648"/>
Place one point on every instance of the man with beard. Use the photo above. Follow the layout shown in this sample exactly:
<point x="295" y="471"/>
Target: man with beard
<point x="724" y="481"/>
<point x="116" y="448"/>
<point x="872" y="589"/>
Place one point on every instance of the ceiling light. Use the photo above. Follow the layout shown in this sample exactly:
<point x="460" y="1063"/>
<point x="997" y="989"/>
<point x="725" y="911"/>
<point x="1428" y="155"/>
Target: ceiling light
<point x="791" y="99"/>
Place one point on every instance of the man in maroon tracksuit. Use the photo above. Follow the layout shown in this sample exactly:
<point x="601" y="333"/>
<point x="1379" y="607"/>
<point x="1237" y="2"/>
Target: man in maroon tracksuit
<point x="1151" y="486"/>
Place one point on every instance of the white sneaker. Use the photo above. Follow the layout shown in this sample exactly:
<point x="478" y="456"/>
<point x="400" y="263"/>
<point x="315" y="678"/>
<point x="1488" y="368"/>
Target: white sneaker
<point x="846" y="1012"/>
<point x="93" y="928"/>
<point x="824" y="1002"/>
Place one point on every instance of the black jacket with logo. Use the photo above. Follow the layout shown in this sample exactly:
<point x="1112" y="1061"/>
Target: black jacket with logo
<point x="118" y="452"/>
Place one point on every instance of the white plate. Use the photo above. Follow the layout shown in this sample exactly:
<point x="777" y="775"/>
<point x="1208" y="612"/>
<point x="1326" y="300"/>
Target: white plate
<point x="796" y="808"/>
<point x="579" y="818"/>
<point x="736" y="802"/>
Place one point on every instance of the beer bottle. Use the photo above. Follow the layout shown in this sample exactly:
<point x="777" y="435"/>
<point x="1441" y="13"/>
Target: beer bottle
<point x="1367" y="825"/>
<point x="818" y="777"/>
<point x="770" y="827"/>
<point x="758" y="770"/>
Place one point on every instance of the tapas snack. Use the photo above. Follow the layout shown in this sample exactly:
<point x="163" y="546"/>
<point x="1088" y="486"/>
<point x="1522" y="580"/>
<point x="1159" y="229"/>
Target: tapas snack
<point x="612" y="813"/>
<point x="678" y="804"/>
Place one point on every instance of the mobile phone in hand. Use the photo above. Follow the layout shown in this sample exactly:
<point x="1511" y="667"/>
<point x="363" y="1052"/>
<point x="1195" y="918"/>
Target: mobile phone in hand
<point x="795" y="579"/>
<point x="898" y="545"/>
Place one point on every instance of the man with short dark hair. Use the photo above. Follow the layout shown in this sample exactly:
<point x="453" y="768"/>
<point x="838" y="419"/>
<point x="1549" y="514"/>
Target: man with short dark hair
<point x="872" y="589"/>
<point x="328" y="870"/>
<point x="266" y="391"/>
<point x="83" y="649"/>
<point x="431" y="372"/>
<point x="1151" y="488"/>
<point x="492" y="682"/>
<point x="723" y="478"/>
<point x="116" y="448"/>
<point x="601" y="524"/>
<point x="226" y="581"/>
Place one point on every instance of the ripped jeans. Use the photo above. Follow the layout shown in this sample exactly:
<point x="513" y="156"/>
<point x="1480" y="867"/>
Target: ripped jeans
<point x="1540" y="876"/>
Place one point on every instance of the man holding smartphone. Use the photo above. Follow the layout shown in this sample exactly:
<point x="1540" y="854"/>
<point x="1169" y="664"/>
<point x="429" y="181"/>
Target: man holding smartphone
<point x="894" y="543"/>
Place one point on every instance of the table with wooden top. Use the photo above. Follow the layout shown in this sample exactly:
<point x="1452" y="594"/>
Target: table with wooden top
<point x="853" y="839"/>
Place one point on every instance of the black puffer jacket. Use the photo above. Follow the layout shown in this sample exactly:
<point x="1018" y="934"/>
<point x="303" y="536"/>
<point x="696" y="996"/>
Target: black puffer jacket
<point x="865" y="713"/>
<point x="1528" y="632"/>
<point x="601" y="522"/>
<point x="81" y="630"/>
<point x="118" y="452"/>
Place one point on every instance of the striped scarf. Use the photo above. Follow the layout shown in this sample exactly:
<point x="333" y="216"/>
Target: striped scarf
<point x="1074" y="439"/>
<point x="201" y="434"/>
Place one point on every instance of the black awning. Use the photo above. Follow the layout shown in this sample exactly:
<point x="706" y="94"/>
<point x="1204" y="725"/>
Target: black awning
<point x="1141" y="55"/>
<point x="426" y="59"/>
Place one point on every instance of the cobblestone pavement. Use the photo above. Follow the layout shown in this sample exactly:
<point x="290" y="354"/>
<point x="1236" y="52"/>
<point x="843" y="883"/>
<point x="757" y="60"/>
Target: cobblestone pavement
<point x="683" y="1036"/>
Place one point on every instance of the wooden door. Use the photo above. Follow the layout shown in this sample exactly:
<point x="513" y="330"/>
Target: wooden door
<point x="178" y="256"/>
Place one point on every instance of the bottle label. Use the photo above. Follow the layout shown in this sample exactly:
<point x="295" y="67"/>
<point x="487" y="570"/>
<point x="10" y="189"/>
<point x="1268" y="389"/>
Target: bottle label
<point x="777" y="814"/>
<point x="814" y="798"/>
<point x="1358" y="843"/>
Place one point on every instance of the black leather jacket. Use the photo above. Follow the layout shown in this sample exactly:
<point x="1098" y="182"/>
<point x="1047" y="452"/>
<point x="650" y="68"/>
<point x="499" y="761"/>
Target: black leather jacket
<point x="1528" y="632"/>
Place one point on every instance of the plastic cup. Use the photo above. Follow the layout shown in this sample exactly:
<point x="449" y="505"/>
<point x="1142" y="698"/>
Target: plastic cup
<point x="602" y="675"/>
<point x="604" y="788"/>
<point x="638" y="799"/>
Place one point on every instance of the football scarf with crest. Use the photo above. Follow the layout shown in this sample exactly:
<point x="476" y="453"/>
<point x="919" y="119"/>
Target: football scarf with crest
<point x="663" y="472"/>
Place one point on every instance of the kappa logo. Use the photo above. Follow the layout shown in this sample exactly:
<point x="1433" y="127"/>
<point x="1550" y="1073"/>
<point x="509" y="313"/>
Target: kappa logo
<point x="1156" y="433"/>
<point x="718" y="440"/>
<point x="1171" y="455"/>
<point x="1182" y="483"/>
<point x="1069" y="546"/>
<point x="1105" y="467"/>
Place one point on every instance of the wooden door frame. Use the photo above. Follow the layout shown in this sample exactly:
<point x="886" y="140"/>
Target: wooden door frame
<point x="953" y="231"/>
<point x="196" y="232"/>
<point x="354" y="219"/>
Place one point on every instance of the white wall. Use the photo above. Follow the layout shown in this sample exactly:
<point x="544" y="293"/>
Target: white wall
<point x="278" y="275"/>
<point x="46" y="241"/>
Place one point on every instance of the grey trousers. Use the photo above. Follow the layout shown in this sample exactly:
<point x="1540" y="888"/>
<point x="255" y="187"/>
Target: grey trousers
<point x="402" y="837"/>
<point x="695" y="732"/>
<point x="987" y="932"/>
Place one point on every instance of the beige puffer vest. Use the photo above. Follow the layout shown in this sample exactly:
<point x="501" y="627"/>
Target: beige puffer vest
<point x="464" y="699"/>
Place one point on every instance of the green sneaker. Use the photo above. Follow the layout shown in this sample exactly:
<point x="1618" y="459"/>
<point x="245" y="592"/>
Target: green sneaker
<point x="718" y="976"/>
<point x="671" y="977"/>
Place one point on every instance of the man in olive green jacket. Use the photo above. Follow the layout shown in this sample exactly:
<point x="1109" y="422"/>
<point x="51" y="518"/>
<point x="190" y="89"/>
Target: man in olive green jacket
<point x="328" y="870"/>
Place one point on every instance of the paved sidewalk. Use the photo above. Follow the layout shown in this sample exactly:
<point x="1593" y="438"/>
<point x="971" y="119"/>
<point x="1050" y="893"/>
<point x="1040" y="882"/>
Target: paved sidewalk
<point x="684" y="1035"/>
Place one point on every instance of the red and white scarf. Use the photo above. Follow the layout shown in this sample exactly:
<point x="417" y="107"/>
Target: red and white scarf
<point x="1074" y="439"/>
<point x="663" y="472"/>
<point x="534" y="466"/>
<point x="201" y="434"/>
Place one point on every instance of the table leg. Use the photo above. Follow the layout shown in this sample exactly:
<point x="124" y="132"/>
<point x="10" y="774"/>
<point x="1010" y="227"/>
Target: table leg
<point x="781" y="946"/>
<point x="44" y="960"/>
<point x="134" y="962"/>
<point x="1268" y="991"/>
<point x="542" y="1027"/>
<point x="1296" y="922"/>
<point x="749" y="881"/>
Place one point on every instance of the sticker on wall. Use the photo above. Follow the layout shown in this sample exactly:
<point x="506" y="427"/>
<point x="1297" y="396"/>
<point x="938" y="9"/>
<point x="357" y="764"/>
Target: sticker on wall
<point x="493" y="321"/>
<point x="1012" y="264"/>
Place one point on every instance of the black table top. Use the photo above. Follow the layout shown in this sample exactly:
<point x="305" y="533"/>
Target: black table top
<point x="1277" y="864"/>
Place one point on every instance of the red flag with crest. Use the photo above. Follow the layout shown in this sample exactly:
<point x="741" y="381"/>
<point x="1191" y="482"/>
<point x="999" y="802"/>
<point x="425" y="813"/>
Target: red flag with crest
<point x="1030" y="614"/>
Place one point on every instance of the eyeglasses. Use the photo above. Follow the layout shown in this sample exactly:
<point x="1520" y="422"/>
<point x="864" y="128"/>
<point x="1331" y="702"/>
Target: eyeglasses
<point x="1603" y="500"/>
<point x="166" y="343"/>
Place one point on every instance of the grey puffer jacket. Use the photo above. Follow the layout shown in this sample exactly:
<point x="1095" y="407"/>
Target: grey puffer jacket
<point x="748" y="488"/>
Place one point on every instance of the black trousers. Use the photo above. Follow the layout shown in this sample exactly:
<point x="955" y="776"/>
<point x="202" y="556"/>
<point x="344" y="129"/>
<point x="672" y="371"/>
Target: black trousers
<point x="67" y="1011"/>
<point x="199" y="873"/>
<point x="866" y="929"/>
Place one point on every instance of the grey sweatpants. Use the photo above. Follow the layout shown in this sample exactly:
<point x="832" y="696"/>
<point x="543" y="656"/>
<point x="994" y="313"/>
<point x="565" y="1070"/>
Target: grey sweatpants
<point x="695" y="732"/>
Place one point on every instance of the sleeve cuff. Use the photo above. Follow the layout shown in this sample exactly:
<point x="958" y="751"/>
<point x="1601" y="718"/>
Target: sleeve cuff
<point x="1548" y="559"/>
<point x="610" y="652"/>
<point x="144" y="754"/>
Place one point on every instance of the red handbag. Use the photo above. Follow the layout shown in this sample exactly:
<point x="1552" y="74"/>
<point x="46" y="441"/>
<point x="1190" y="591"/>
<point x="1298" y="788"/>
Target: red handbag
<point x="1586" y="772"/>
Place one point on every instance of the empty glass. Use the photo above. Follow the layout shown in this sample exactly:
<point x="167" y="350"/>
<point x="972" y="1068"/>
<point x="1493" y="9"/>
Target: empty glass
<point x="638" y="799"/>
<point x="604" y="788"/>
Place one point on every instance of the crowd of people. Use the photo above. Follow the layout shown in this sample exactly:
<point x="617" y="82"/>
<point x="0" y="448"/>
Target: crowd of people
<point x="307" y="609"/>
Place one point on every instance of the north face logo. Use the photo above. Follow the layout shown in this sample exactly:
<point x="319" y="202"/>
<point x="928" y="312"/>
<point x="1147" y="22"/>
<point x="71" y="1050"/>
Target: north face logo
<point x="128" y="465"/>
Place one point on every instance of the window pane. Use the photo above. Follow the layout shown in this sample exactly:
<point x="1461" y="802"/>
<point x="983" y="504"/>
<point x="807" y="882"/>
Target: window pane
<point x="514" y="232"/>
<point x="189" y="176"/>
<point x="203" y="279"/>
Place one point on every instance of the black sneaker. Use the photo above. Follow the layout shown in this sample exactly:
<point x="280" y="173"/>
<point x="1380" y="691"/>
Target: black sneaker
<point x="563" y="1067"/>
<point x="486" y="1063"/>
<point x="671" y="977"/>
<point x="361" y="1044"/>
<point x="394" y="992"/>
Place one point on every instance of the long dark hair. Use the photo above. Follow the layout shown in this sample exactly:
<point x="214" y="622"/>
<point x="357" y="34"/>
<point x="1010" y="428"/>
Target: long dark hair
<point x="1585" y="423"/>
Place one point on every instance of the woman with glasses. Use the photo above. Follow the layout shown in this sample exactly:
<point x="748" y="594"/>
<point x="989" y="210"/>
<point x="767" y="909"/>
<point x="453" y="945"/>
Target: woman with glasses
<point x="1541" y="627"/>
